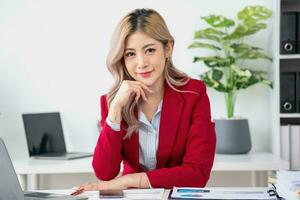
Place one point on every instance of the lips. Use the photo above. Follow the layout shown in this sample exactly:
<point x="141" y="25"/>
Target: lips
<point x="145" y="74"/>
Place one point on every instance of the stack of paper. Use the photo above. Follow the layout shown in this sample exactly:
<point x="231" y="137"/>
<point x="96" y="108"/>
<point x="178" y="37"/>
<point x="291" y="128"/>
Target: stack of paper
<point x="222" y="193"/>
<point x="288" y="184"/>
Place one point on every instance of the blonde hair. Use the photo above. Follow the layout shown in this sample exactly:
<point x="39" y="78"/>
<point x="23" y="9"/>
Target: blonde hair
<point x="151" y="23"/>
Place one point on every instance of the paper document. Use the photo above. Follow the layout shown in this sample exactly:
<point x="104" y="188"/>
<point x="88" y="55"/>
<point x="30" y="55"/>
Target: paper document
<point x="215" y="193"/>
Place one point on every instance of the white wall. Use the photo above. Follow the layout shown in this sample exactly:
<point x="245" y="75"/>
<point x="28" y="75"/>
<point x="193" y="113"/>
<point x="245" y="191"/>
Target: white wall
<point x="52" y="58"/>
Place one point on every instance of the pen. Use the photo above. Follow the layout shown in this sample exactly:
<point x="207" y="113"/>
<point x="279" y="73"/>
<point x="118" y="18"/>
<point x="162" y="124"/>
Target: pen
<point x="77" y="192"/>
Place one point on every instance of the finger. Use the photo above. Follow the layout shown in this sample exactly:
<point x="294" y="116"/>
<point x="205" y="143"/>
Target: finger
<point x="88" y="187"/>
<point x="137" y="96"/>
<point x="143" y="95"/>
<point x="144" y="86"/>
<point x="80" y="187"/>
<point x="140" y="92"/>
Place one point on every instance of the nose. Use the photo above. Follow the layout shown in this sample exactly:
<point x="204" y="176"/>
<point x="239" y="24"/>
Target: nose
<point x="141" y="62"/>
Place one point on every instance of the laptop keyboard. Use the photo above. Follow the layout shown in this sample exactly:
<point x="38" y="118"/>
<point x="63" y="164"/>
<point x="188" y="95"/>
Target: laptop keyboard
<point x="54" y="154"/>
<point x="37" y="194"/>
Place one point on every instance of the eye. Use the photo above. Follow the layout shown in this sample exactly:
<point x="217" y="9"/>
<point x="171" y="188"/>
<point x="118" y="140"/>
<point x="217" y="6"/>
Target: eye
<point x="129" y="54"/>
<point x="150" y="50"/>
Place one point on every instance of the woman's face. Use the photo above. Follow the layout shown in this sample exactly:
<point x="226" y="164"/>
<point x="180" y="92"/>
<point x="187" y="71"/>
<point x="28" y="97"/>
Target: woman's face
<point x="145" y="58"/>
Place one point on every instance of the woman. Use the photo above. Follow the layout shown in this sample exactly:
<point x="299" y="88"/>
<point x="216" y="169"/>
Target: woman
<point x="155" y="119"/>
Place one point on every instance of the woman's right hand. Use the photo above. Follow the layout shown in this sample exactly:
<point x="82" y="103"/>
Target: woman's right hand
<point x="126" y="90"/>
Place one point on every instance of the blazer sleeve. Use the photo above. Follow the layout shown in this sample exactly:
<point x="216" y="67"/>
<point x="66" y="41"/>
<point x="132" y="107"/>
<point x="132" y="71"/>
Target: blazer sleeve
<point x="107" y="154"/>
<point x="199" y="152"/>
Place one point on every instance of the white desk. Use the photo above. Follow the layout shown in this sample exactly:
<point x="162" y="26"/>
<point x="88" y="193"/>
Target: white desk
<point x="92" y="195"/>
<point x="255" y="162"/>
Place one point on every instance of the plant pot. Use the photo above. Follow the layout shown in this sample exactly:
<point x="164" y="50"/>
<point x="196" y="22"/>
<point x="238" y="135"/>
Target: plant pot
<point x="233" y="136"/>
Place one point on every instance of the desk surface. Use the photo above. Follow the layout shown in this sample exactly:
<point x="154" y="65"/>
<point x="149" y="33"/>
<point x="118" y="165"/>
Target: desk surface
<point x="92" y="195"/>
<point x="245" y="162"/>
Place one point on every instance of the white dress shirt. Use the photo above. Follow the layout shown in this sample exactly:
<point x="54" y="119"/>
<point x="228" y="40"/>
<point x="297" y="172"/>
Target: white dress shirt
<point x="148" y="137"/>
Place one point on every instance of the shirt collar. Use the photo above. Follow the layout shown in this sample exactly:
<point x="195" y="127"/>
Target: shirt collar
<point x="142" y="117"/>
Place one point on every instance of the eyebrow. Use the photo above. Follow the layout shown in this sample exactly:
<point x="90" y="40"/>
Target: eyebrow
<point x="144" y="47"/>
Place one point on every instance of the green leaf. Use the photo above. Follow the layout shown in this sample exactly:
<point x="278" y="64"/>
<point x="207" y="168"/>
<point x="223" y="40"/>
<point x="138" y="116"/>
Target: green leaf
<point x="254" y="13"/>
<point x="210" y="82"/>
<point x="243" y="30"/>
<point x="213" y="31"/>
<point x="215" y="61"/>
<point x="217" y="74"/>
<point x="246" y="51"/>
<point x="218" y="21"/>
<point x="204" y="45"/>
<point x="254" y="55"/>
<point x="238" y="47"/>
<point x="241" y="72"/>
<point x="203" y="34"/>
<point x="256" y="77"/>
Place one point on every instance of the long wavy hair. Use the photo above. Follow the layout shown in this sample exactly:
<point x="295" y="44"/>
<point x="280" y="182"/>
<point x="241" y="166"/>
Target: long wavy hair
<point x="151" y="23"/>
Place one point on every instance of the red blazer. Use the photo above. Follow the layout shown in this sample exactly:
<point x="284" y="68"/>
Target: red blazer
<point x="186" y="146"/>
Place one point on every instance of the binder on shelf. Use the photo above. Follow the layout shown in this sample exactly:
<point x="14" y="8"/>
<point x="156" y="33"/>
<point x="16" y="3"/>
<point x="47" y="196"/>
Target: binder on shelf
<point x="285" y="142"/>
<point x="295" y="147"/>
<point x="288" y="92"/>
<point x="288" y="33"/>
<point x="290" y="145"/>
<point x="298" y="91"/>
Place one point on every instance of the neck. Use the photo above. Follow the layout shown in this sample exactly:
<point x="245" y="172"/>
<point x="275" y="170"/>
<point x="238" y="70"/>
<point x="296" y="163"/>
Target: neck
<point x="158" y="90"/>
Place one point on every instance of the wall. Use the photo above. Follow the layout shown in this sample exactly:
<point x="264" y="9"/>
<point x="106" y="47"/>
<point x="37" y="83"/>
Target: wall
<point x="52" y="58"/>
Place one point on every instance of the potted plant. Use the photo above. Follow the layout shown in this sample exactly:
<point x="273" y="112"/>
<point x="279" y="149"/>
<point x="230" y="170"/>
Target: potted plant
<point x="227" y="72"/>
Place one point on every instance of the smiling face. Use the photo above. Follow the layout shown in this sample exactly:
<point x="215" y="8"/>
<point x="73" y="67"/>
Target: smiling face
<point x="145" y="58"/>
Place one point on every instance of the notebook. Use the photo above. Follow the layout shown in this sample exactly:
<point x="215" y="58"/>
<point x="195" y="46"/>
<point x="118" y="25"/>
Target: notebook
<point x="45" y="138"/>
<point x="10" y="187"/>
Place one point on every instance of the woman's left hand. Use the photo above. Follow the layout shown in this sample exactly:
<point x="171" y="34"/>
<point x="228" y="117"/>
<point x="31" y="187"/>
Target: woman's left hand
<point x="135" y="180"/>
<point x="114" y="184"/>
<point x="91" y="186"/>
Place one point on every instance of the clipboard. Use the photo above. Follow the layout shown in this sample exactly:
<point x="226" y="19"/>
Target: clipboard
<point x="190" y="193"/>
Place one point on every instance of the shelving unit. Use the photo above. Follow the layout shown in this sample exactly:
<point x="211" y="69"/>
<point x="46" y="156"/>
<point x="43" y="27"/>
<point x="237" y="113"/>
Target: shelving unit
<point x="292" y="56"/>
<point x="283" y="63"/>
<point x="289" y="115"/>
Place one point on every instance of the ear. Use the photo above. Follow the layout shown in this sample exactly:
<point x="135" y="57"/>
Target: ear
<point x="169" y="49"/>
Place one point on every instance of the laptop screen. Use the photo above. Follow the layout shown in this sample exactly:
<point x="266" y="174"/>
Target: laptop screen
<point x="44" y="133"/>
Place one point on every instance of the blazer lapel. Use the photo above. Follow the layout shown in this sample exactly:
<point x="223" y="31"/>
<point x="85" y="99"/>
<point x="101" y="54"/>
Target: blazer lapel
<point x="170" y="116"/>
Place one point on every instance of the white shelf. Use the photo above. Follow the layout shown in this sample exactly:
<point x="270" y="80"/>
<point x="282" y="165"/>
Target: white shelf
<point x="290" y="115"/>
<point x="290" y="56"/>
<point x="262" y="161"/>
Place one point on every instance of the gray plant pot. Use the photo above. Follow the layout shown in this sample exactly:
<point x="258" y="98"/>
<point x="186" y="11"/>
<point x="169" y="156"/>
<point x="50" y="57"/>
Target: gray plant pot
<point x="233" y="136"/>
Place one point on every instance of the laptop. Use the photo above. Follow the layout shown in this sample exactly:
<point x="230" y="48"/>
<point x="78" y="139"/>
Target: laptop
<point x="45" y="138"/>
<point x="10" y="188"/>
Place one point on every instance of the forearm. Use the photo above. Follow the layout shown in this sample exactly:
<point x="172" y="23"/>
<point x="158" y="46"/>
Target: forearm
<point x="107" y="155"/>
<point x="114" y="113"/>
<point x="136" y="180"/>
